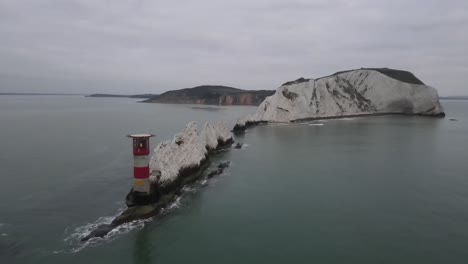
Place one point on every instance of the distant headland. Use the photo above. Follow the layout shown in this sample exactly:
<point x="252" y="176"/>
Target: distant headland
<point x="203" y="94"/>
<point x="142" y="96"/>
<point x="212" y="95"/>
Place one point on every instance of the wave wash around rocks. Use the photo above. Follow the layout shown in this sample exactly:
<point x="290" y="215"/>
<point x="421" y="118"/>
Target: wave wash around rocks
<point x="179" y="161"/>
<point x="371" y="91"/>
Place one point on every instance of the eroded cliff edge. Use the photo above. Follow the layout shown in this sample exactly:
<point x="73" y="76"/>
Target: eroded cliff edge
<point x="366" y="91"/>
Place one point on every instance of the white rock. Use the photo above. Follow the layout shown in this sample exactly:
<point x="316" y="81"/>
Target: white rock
<point x="356" y="92"/>
<point x="215" y="133"/>
<point x="186" y="150"/>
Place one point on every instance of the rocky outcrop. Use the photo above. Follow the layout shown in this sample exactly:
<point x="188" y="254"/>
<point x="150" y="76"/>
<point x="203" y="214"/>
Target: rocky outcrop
<point x="211" y="95"/>
<point x="186" y="152"/>
<point x="178" y="161"/>
<point x="350" y="93"/>
<point x="216" y="135"/>
<point x="219" y="169"/>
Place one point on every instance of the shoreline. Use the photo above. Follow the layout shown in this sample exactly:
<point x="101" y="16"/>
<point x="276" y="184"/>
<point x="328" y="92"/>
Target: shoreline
<point x="240" y="128"/>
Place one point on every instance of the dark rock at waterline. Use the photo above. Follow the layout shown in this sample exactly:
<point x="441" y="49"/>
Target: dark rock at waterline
<point x="135" y="213"/>
<point x="219" y="170"/>
<point x="238" y="146"/>
<point x="134" y="198"/>
<point x="453" y="119"/>
<point x="166" y="193"/>
<point x="240" y="129"/>
<point x="213" y="173"/>
<point x="223" y="165"/>
<point x="100" y="231"/>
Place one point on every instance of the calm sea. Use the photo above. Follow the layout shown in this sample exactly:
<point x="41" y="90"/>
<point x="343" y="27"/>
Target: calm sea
<point x="361" y="190"/>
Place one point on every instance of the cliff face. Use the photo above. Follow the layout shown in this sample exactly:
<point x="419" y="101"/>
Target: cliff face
<point x="187" y="150"/>
<point x="355" y="92"/>
<point x="211" y="95"/>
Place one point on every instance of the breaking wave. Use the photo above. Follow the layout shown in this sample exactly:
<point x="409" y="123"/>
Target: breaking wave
<point x="74" y="235"/>
<point x="73" y="240"/>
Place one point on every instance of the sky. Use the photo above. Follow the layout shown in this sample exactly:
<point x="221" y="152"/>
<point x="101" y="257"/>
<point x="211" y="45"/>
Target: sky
<point x="151" y="46"/>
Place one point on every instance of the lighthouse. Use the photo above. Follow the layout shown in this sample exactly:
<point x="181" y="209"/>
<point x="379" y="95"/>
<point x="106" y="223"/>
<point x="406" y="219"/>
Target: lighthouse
<point x="141" y="191"/>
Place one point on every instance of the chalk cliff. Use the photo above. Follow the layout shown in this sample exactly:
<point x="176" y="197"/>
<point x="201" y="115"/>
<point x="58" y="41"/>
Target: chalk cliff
<point x="187" y="151"/>
<point x="370" y="91"/>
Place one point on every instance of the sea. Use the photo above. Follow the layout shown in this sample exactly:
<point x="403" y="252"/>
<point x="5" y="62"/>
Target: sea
<point x="388" y="189"/>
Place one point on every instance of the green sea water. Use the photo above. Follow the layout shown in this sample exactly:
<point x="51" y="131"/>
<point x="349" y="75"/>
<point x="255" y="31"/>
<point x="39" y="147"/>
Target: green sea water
<point x="360" y="190"/>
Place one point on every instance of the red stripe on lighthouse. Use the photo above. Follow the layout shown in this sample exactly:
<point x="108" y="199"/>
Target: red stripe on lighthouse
<point x="141" y="173"/>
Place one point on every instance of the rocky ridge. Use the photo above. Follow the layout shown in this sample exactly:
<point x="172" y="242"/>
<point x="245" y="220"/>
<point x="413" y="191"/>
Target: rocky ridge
<point x="179" y="161"/>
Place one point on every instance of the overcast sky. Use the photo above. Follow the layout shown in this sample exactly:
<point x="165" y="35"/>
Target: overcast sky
<point x="123" y="46"/>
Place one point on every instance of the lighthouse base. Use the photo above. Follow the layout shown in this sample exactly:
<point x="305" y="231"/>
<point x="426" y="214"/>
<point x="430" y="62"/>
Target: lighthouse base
<point x="135" y="198"/>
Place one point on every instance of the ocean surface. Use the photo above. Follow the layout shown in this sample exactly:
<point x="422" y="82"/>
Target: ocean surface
<point x="357" y="190"/>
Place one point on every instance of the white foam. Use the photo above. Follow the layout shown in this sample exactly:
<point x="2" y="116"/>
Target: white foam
<point x="316" y="124"/>
<point x="189" y="189"/>
<point x="74" y="239"/>
<point x="175" y="204"/>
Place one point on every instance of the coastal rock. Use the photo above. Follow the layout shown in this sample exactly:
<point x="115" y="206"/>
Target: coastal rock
<point x="223" y="165"/>
<point x="100" y="231"/>
<point x="215" y="135"/>
<point x="187" y="151"/>
<point x="178" y="161"/>
<point x="213" y="173"/>
<point x="219" y="169"/>
<point x="371" y="91"/>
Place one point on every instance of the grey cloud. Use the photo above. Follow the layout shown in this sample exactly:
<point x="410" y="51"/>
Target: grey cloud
<point x="84" y="46"/>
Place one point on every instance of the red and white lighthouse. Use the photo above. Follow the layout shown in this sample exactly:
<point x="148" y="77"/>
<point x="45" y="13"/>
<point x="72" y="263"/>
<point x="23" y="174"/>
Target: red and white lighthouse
<point x="141" y="171"/>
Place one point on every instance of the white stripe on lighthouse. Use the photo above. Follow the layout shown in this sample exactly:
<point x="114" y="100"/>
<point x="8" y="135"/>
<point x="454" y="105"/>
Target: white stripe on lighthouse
<point x="140" y="161"/>
<point x="142" y="185"/>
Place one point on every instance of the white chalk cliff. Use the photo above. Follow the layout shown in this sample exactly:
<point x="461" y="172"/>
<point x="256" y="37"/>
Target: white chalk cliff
<point x="188" y="149"/>
<point x="355" y="92"/>
<point x="214" y="134"/>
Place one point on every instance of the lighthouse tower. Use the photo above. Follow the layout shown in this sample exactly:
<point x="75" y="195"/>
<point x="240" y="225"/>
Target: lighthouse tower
<point x="140" y="194"/>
